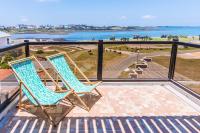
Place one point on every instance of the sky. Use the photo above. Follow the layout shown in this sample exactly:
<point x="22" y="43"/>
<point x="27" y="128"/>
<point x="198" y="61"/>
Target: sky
<point x="101" y="12"/>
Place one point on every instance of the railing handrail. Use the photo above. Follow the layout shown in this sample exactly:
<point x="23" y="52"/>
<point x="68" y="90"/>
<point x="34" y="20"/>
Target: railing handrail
<point x="189" y="44"/>
<point x="96" y="42"/>
<point x="11" y="47"/>
<point x="4" y="49"/>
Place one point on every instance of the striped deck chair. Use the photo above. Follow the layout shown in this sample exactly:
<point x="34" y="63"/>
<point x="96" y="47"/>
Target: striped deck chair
<point x="35" y="90"/>
<point x="69" y="79"/>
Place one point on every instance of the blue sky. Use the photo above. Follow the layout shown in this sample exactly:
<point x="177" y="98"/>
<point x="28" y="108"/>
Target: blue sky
<point x="101" y="12"/>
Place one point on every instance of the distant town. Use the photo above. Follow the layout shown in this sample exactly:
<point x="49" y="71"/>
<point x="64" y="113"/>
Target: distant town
<point x="23" y="28"/>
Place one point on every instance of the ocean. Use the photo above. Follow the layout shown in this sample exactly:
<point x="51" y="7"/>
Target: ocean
<point x="105" y="35"/>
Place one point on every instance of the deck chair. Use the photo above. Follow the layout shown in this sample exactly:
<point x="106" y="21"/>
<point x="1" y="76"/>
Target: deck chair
<point x="35" y="90"/>
<point x="69" y="79"/>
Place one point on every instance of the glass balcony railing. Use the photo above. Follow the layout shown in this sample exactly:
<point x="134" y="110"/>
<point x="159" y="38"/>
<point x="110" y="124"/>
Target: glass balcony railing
<point x="111" y="61"/>
<point x="84" y="56"/>
<point x="187" y="67"/>
<point x="8" y="84"/>
<point x="136" y="61"/>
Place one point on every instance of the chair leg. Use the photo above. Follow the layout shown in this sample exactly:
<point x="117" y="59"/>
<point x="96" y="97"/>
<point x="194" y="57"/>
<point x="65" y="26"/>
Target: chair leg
<point x="70" y="101"/>
<point x="98" y="92"/>
<point x="57" y="78"/>
<point x="63" y="116"/>
<point x="20" y="95"/>
<point x="48" y="116"/>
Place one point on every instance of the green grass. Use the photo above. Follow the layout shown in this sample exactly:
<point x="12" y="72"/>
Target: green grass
<point x="4" y="66"/>
<point x="112" y="55"/>
<point x="159" y="39"/>
<point x="194" y="87"/>
<point x="132" y="66"/>
<point x="124" y="75"/>
<point x="88" y="60"/>
<point x="181" y="39"/>
<point x="46" y="53"/>
<point x="151" y="49"/>
<point x="62" y="48"/>
<point x="187" y="67"/>
<point x="187" y="48"/>
<point x="142" y="50"/>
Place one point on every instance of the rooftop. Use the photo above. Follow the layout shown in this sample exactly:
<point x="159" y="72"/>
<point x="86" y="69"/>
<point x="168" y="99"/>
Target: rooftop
<point x="3" y="34"/>
<point x="124" y="107"/>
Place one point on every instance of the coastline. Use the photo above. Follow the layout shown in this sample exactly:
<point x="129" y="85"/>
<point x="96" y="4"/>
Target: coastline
<point x="73" y="31"/>
<point x="49" y="33"/>
<point x="82" y="35"/>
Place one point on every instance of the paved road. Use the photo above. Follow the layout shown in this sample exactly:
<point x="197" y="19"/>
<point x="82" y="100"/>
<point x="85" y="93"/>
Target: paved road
<point x="114" y="69"/>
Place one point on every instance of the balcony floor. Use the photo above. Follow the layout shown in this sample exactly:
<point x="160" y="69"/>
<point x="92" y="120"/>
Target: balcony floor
<point x="124" y="107"/>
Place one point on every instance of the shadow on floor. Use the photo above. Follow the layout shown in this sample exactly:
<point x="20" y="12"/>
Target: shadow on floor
<point x="58" y="111"/>
<point x="89" y="100"/>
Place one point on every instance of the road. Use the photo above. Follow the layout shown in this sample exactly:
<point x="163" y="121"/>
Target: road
<point x="114" y="69"/>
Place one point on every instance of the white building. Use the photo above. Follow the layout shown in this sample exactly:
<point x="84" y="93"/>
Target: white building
<point x="4" y="39"/>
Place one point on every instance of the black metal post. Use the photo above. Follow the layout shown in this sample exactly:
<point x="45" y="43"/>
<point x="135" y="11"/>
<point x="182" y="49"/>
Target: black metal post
<point x="100" y="60"/>
<point x="27" y="51"/>
<point x="172" y="64"/>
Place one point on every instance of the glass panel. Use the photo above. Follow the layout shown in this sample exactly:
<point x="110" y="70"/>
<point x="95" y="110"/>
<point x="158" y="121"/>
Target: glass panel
<point x="187" y="67"/>
<point x="8" y="83"/>
<point x="85" y="56"/>
<point x="135" y="61"/>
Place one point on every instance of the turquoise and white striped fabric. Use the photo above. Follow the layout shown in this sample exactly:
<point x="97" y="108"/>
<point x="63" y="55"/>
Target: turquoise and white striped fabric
<point x="61" y="65"/>
<point x="27" y="73"/>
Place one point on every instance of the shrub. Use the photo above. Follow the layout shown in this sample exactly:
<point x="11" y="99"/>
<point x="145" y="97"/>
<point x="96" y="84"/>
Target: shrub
<point x="112" y="38"/>
<point x="39" y="51"/>
<point x="4" y="61"/>
<point x="91" y="53"/>
<point x="6" y="58"/>
<point x="4" y="66"/>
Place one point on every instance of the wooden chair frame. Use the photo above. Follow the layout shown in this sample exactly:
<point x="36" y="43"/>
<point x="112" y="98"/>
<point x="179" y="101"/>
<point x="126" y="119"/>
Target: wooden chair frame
<point x="79" y="70"/>
<point x="43" y="107"/>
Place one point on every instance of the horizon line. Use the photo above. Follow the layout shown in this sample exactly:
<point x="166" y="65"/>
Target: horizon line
<point x="105" y="25"/>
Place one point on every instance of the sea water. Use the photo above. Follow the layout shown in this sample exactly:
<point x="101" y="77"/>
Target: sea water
<point x="104" y="35"/>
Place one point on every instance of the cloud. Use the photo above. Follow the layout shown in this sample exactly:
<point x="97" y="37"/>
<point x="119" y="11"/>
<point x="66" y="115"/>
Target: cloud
<point x="123" y="17"/>
<point x="24" y="19"/>
<point x="148" y="17"/>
